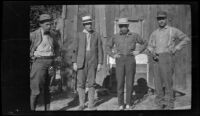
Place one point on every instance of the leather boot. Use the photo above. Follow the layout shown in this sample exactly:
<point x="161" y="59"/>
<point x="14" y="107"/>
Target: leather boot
<point x="91" y="94"/>
<point x="33" y="99"/>
<point x="81" y="93"/>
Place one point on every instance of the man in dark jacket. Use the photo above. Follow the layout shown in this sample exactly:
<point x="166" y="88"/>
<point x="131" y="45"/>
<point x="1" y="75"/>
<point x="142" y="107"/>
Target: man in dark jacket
<point x="44" y="48"/>
<point x="87" y="60"/>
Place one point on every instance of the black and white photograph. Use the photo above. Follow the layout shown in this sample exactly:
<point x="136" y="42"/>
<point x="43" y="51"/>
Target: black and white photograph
<point x="108" y="57"/>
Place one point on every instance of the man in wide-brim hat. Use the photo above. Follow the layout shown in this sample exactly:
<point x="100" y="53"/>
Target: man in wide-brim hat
<point x="125" y="43"/>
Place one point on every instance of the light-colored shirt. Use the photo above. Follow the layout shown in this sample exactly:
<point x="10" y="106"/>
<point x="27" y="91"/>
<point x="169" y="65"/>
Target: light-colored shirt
<point x="163" y="40"/>
<point x="88" y="37"/>
<point x="124" y="44"/>
<point x="44" y="49"/>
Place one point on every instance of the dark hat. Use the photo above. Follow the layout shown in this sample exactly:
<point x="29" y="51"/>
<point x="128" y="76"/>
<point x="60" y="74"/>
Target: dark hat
<point x="45" y="17"/>
<point x="161" y="14"/>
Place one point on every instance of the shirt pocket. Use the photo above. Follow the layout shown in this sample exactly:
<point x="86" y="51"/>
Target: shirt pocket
<point x="131" y="43"/>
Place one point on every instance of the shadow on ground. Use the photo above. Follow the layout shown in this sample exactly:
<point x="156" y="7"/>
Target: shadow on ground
<point x="72" y="103"/>
<point x="104" y="99"/>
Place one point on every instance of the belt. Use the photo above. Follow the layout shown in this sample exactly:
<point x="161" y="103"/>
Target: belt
<point x="45" y="57"/>
<point x="126" y="54"/>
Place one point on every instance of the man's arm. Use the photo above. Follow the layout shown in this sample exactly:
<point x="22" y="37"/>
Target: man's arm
<point x="109" y="46"/>
<point x="100" y="50"/>
<point x="141" y="42"/>
<point x="151" y="44"/>
<point x="184" y="39"/>
<point x="75" y="49"/>
<point x="32" y="37"/>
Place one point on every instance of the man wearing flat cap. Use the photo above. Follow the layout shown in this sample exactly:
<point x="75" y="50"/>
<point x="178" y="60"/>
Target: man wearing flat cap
<point x="125" y="44"/>
<point x="44" y="48"/>
<point x="87" y="60"/>
<point x="162" y="46"/>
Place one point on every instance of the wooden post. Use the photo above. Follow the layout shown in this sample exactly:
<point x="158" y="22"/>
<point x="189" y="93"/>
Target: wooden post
<point x="63" y="16"/>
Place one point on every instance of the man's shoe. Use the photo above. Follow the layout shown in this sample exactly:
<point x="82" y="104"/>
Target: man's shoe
<point x="80" y="107"/>
<point x="92" y="108"/>
<point x="168" y="108"/>
<point x="121" y="107"/>
<point x="160" y="107"/>
<point x="128" y="107"/>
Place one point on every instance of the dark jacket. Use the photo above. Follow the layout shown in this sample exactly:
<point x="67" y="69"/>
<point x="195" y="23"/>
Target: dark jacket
<point x="36" y="39"/>
<point x="79" y="49"/>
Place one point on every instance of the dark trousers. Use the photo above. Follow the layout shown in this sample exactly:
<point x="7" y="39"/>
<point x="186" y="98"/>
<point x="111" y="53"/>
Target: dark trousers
<point x="39" y="81"/>
<point x="125" y="66"/>
<point x="163" y="70"/>
<point x="86" y="76"/>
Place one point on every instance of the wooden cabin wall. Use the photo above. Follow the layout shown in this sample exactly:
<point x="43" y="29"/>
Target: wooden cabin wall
<point x="179" y="16"/>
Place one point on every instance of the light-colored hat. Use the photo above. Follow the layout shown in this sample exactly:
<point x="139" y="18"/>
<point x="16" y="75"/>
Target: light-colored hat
<point x="86" y="19"/>
<point x="45" y="17"/>
<point x="123" y="21"/>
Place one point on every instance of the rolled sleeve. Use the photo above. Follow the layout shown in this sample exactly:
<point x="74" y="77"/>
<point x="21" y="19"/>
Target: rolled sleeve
<point x="109" y="46"/>
<point x="151" y="43"/>
<point x="184" y="39"/>
<point x="75" y="49"/>
<point x="141" y="42"/>
<point x="100" y="50"/>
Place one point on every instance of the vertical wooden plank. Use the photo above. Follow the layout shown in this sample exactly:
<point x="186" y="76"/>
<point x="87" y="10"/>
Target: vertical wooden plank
<point x="133" y="12"/>
<point x="124" y="12"/>
<point x="188" y="31"/>
<point x="117" y="11"/>
<point x="110" y="16"/>
<point x="97" y="28"/>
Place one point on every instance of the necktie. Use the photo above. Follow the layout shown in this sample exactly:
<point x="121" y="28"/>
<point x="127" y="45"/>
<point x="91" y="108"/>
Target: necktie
<point x="88" y="41"/>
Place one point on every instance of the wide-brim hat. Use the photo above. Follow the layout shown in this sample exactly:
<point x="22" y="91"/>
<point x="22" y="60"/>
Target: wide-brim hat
<point x="123" y="21"/>
<point x="161" y="14"/>
<point x="45" y="18"/>
<point x="87" y="19"/>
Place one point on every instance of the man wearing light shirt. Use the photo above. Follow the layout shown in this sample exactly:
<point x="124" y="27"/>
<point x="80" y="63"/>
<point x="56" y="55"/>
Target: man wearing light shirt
<point x="162" y="46"/>
<point x="44" y="48"/>
<point x="125" y="44"/>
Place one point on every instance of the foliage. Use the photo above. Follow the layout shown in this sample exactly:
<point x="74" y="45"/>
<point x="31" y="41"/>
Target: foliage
<point x="36" y="11"/>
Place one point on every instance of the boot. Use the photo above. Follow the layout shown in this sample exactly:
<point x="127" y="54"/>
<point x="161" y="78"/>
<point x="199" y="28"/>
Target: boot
<point x="33" y="99"/>
<point x="81" y="93"/>
<point x="91" y="94"/>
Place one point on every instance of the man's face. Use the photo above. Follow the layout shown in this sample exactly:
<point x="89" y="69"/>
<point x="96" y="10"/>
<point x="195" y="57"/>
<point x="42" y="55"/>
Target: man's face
<point x="46" y="26"/>
<point x="88" y="26"/>
<point x="162" y="21"/>
<point x="123" y="28"/>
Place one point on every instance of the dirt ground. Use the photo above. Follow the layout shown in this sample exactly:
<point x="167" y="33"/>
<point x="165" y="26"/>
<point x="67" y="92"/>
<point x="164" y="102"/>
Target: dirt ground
<point x="66" y="101"/>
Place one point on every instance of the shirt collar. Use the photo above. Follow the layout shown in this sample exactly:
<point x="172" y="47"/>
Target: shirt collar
<point x="42" y="31"/>
<point x="128" y="33"/>
<point x="85" y="31"/>
<point x="166" y="27"/>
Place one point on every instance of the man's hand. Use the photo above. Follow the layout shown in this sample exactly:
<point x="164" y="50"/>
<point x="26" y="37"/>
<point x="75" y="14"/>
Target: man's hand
<point x="75" y="66"/>
<point x="116" y="56"/>
<point x="59" y="59"/>
<point x="135" y="53"/>
<point x="99" y="67"/>
<point x="177" y="48"/>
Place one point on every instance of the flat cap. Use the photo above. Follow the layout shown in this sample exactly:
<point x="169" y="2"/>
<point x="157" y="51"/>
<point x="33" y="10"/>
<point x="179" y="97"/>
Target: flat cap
<point x="161" y="14"/>
<point x="45" y="17"/>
